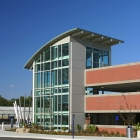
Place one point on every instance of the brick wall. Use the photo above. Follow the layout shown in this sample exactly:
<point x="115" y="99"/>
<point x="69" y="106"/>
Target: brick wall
<point x="113" y="74"/>
<point x="120" y="130"/>
<point x="111" y="102"/>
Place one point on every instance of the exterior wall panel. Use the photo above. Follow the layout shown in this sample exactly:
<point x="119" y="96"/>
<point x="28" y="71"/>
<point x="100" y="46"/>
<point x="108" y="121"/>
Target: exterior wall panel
<point x="77" y="68"/>
<point x="113" y="74"/>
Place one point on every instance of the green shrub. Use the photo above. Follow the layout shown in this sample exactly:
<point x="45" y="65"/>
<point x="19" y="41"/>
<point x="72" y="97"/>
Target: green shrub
<point x="26" y="126"/>
<point x="111" y="133"/>
<point x="40" y="127"/>
<point x="79" y="127"/>
<point x="64" y="129"/>
<point x="91" y="128"/>
<point x="52" y="128"/>
<point x="137" y="126"/>
<point x="11" y="129"/>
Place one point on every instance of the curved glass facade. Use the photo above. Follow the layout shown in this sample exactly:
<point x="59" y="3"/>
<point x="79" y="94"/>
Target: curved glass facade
<point x="51" y="87"/>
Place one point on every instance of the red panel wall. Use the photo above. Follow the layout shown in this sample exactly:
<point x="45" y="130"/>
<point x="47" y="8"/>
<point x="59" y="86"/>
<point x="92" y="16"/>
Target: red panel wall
<point x="109" y="102"/>
<point x="123" y="73"/>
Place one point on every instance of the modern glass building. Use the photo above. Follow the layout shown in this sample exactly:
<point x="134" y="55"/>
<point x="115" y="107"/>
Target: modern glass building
<point x="68" y="74"/>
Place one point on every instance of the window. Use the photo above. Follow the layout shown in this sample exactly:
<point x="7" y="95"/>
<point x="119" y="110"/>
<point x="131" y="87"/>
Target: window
<point x="59" y="102"/>
<point x="106" y="58"/>
<point x="47" y="79"/>
<point x="101" y="58"/>
<point x="47" y="66"/>
<point x="54" y="77"/>
<point x="64" y="119"/>
<point x="37" y="68"/>
<point x="95" y="58"/>
<point x="65" y="50"/>
<point x="65" y="62"/>
<point x="65" y="76"/>
<point x="37" y="105"/>
<point x="37" y="79"/>
<point x="65" y="90"/>
<point x="47" y="54"/>
<point x="55" y="103"/>
<point x="59" y="51"/>
<point x="88" y="57"/>
<point x="64" y="102"/>
<point x="54" y="52"/>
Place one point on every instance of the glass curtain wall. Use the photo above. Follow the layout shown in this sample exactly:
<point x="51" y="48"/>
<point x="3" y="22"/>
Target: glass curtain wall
<point x="96" y="58"/>
<point x="51" y="87"/>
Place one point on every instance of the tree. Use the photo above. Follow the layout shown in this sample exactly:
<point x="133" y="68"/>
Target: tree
<point x="127" y="117"/>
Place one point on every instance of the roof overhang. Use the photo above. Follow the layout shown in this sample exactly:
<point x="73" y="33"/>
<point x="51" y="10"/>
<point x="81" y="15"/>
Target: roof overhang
<point x="83" y="34"/>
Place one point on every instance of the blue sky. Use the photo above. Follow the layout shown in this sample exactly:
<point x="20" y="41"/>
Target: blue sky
<point x="26" y="25"/>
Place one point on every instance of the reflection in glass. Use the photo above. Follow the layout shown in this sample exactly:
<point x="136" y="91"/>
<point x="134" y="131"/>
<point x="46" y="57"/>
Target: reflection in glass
<point x="88" y="64"/>
<point x="54" y="52"/>
<point x="65" y="74"/>
<point x="37" y="92"/>
<point x="47" y="54"/>
<point x="59" y="102"/>
<point x="64" y="102"/>
<point x="65" y="62"/>
<point x="47" y="66"/>
<point x="47" y="79"/>
<point x="65" y="50"/>
<point x="55" y="119"/>
<point x="101" y="58"/>
<point x="106" y="58"/>
<point x="47" y="91"/>
<point x="37" y="68"/>
<point x="64" y="119"/>
<point x="37" y="119"/>
<point x="59" y="51"/>
<point x="54" y="65"/>
<point x="37" y="105"/>
<point x="54" y="77"/>
<point x="65" y="90"/>
<point x="59" y="119"/>
<point x="55" y="103"/>
<point x="42" y="79"/>
<point x="37" y="79"/>
<point x="47" y="104"/>
<point x="59" y="76"/>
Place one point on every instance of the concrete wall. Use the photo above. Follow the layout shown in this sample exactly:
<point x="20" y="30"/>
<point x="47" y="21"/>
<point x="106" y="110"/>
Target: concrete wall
<point x="77" y="90"/>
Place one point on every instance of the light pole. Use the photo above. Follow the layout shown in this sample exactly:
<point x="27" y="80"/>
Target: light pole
<point x="73" y="117"/>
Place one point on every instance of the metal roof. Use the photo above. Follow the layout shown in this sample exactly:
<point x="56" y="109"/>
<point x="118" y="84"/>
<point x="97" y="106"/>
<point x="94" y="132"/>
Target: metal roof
<point x="84" y="34"/>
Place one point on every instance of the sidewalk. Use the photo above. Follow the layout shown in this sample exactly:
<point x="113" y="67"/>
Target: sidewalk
<point x="56" y="137"/>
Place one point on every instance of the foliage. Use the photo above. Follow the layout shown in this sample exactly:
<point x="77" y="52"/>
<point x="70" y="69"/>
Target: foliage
<point x="40" y="127"/>
<point x="26" y="126"/>
<point x="79" y="127"/>
<point x="11" y="129"/>
<point x="5" y="102"/>
<point x="127" y="117"/>
<point x="91" y="128"/>
<point x="64" y="129"/>
<point x="83" y="133"/>
<point x="53" y="128"/>
<point x="137" y="126"/>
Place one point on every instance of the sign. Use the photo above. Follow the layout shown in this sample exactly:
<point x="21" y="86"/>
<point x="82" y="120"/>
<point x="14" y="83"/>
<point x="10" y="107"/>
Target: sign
<point x="116" y="118"/>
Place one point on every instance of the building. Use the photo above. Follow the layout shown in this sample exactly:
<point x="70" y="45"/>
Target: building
<point x="72" y="73"/>
<point x="7" y="113"/>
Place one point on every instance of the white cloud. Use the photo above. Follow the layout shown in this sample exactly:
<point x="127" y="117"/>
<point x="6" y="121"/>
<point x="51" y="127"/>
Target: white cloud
<point x="13" y="86"/>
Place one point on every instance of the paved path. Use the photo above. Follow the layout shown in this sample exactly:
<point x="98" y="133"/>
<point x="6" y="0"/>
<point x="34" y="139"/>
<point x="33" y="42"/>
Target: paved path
<point x="8" y="138"/>
<point x="55" y="137"/>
